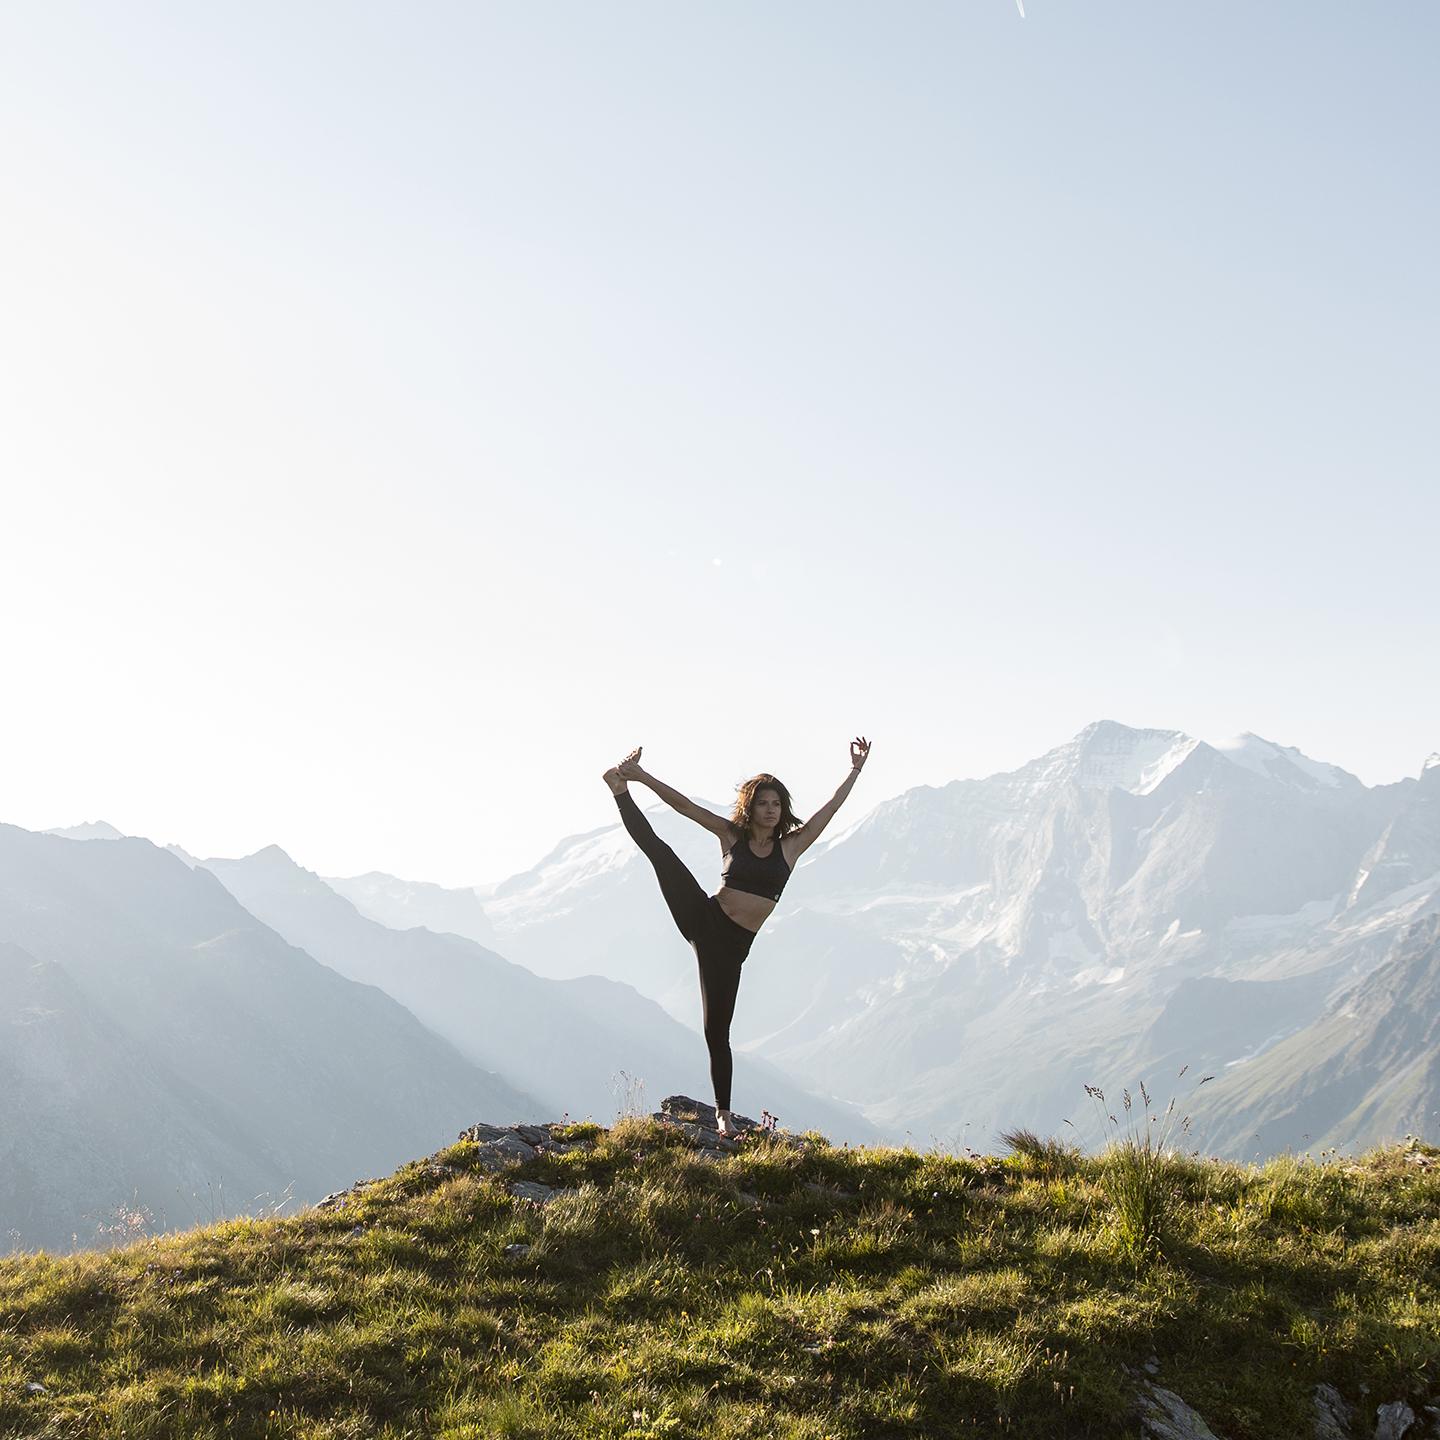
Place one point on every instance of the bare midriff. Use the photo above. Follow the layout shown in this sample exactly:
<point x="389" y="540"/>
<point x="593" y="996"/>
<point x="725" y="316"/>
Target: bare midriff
<point x="741" y="906"/>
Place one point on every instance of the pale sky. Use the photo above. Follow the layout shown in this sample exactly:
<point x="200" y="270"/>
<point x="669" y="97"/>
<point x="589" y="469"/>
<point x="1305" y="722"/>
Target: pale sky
<point x="406" y="409"/>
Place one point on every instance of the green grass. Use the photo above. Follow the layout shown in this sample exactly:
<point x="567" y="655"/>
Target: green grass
<point x="865" y="1293"/>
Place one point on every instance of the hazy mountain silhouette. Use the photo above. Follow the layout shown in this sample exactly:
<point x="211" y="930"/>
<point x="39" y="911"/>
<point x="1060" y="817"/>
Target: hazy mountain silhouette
<point x="145" y="990"/>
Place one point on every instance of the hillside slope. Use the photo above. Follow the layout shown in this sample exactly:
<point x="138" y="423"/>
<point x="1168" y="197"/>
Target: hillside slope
<point x="1369" y="1065"/>
<point x="649" y="1281"/>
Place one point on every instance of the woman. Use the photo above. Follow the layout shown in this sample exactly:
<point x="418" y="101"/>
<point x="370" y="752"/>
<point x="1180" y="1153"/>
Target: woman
<point x="760" y="843"/>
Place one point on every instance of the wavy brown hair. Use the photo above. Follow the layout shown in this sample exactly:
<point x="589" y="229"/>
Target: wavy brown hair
<point x="745" y="801"/>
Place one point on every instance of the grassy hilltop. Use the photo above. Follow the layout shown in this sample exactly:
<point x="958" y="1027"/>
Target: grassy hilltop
<point x="787" y="1288"/>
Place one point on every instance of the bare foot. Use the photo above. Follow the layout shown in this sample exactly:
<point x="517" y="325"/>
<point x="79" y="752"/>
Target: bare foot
<point x="616" y="776"/>
<point x="725" y="1123"/>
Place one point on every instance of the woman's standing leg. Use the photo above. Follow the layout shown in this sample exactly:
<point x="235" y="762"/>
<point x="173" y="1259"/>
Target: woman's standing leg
<point x="719" y="984"/>
<point x="680" y="888"/>
<point x="721" y="950"/>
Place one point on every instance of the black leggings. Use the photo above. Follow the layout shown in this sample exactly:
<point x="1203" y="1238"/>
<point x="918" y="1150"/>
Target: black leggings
<point x="720" y="943"/>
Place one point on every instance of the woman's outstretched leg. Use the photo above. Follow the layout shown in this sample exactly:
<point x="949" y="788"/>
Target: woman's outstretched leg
<point x="680" y="888"/>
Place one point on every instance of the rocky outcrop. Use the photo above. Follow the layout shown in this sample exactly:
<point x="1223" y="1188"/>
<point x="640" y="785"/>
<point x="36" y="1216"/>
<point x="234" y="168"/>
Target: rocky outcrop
<point x="1165" y="1416"/>
<point x="1333" y="1414"/>
<point x="1394" y="1421"/>
<point x="501" y="1147"/>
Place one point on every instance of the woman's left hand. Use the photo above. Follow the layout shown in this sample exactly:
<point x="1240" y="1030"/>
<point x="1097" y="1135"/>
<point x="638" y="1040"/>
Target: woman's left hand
<point x="859" y="751"/>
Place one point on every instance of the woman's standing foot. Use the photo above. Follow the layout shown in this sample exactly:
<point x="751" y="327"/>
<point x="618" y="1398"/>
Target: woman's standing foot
<point x="725" y="1123"/>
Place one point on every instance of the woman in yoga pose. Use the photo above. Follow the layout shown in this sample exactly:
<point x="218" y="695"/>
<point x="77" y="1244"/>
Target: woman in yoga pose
<point x="761" y="843"/>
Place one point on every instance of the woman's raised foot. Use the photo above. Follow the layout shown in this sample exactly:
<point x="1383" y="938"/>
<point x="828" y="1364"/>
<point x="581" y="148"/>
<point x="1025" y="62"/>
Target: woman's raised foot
<point x="618" y="776"/>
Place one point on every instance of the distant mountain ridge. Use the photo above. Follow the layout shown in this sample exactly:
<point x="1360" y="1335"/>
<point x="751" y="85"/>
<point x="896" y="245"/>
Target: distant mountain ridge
<point x="160" y="1044"/>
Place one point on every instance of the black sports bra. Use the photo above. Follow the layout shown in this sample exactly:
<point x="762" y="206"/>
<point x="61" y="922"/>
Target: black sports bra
<point x="745" y="870"/>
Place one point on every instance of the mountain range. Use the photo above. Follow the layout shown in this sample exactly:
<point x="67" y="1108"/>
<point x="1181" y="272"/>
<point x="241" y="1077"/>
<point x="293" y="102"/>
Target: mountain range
<point x="965" y="958"/>
<point x="160" y="1048"/>
<point x="1133" y="905"/>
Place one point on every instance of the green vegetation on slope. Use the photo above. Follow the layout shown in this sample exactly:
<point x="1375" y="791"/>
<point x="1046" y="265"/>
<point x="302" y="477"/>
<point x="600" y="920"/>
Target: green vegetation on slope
<point x="781" y="1291"/>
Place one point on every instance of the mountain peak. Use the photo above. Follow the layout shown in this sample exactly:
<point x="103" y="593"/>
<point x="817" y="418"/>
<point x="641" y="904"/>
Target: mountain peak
<point x="1283" y="763"/>
<point x="1109" y="755"/>
<point x="1114" y="732"/>
<point x="272" y="857"/>
<point x="1432" y="763"/>
<point x="90" y="830"/>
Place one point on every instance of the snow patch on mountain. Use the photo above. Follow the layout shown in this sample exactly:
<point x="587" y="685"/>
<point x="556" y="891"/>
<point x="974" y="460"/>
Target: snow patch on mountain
<point x="1107" y="755"/>
<point x="1282" y="762"/>
<point x="1431" y="763"/>
<point x="1310" y="915"/>
<point x="553" y="886"/>
<point x="1098" y="975"/>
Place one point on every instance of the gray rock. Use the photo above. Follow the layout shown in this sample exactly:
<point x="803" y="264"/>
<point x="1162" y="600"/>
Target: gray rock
<point x="34" y="1387"/>
<point x="517" y="1250"/>
<point x="505" y="1149"/>
<point x="706" y="1139"/>
<point x="1393" y="1420"/>
<point x="697" y="1112"/>
<point x="532" y="1134"/>
<point x="1152" y="1365"/>
<point x="1333" y="1414"/>
<point x="337" y="1199"/>
<point x="534" y="1191"/>
<point x="483" y="1132"/>
<point x="682" y="1107"/>
<point x="1165" y="1416"/>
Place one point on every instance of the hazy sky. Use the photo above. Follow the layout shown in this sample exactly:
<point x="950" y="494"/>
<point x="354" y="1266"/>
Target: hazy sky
<point x="405" y="409"/>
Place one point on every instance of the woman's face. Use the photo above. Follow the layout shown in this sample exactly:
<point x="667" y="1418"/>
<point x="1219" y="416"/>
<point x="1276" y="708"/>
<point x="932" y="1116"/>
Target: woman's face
<point x="766" y="809"/>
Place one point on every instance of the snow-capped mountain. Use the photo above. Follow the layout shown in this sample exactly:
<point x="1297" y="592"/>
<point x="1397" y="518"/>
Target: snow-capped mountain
<point x="402" y="904"/>
<point x="591" y="906"/>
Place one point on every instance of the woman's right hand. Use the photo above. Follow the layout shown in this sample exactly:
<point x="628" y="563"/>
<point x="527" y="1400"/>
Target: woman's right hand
<point x="629" y="767"/>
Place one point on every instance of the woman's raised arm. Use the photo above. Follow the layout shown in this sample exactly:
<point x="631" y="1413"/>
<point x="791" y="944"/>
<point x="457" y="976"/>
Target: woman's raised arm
<point x="809" y="832"/>
<point x="718" y="824"/>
